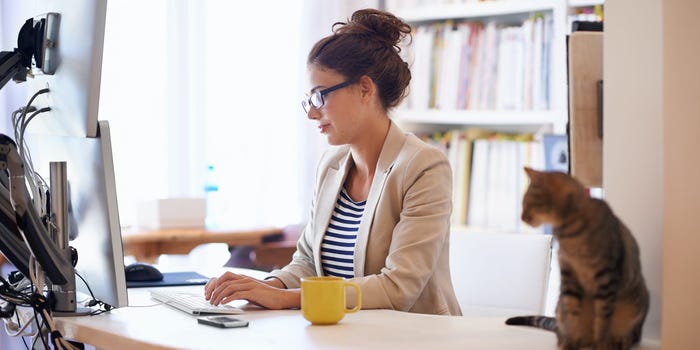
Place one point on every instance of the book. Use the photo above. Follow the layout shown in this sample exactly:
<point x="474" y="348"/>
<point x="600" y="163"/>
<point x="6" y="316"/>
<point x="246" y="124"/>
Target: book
<point x="556" y="152"/>
<point x="478" y="186"/>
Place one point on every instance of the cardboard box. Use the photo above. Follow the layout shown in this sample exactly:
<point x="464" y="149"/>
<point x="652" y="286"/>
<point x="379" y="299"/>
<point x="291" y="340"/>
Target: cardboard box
<point x="172" y="213"/>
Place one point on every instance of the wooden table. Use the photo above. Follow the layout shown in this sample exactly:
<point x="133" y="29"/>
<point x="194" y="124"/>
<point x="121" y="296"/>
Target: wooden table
<point x="147" y="245"/>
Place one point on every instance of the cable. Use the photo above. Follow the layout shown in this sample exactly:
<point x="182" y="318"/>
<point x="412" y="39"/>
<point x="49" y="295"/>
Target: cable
<point x="34" y="342"/>
<point x="24" y="125"/>
<point x="27" y="158"/>
<point x="56" y="336"/>
<point x="28" y="106"/>
<point x="86" y="285"/>
<point x="42" y="91"/>
<point x="25" y="343"/>
<point x="39" y="327"/>
<point x="15" y="333"/>
<point x="104" y="306"/>
<point x="11" y="295"/>
<point x="20" y="124"/>
<point x="39" y="307"/>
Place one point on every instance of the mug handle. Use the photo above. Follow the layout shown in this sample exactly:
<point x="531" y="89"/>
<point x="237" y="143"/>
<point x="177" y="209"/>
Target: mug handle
<point x="359" y="298"/>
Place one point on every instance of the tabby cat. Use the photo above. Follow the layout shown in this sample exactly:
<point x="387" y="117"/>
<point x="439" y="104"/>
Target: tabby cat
<point x="603" y="299"/>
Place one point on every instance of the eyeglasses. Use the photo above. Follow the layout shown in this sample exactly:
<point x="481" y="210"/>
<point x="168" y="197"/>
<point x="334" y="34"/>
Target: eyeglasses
<point x="316" y="98"/>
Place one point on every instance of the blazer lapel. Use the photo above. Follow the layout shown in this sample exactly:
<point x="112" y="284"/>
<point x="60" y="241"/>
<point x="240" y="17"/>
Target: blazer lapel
<point x="330" y="188"/>
<point x="390" y="150"/>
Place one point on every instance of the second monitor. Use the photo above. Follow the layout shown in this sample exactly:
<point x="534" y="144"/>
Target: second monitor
<point x="93" y="207"/>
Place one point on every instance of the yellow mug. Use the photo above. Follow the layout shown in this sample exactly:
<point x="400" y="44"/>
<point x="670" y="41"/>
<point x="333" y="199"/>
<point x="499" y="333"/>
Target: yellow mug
<point x="323" y="299"/>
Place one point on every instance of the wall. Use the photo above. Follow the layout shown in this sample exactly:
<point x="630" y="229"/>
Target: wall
<point x="633" y="132"/>
<point x="681" y="127"/>
<point x="650" y="167"/>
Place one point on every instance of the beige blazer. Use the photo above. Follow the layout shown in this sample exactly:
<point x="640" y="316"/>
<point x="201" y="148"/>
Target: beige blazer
<point x="402" y="250"/>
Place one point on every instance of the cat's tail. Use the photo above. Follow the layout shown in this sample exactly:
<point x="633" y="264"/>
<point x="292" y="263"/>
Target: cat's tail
<point x="544" y="322"/>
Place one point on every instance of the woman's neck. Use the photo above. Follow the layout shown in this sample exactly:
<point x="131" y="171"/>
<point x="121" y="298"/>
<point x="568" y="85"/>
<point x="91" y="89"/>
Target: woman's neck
<point x="365" y="156"/>
<point x="366" y="153"/>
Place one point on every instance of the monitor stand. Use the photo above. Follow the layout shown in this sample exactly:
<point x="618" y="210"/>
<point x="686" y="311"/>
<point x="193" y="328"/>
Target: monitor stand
<point x="63" y="295"/>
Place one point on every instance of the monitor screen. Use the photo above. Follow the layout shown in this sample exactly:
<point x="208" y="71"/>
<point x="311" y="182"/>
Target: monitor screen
<point x="96" y="232"/>
<point x="77" y="59"/>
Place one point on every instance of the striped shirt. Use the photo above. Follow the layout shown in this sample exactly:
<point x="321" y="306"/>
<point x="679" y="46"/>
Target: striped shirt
<point x="338" y="245"/>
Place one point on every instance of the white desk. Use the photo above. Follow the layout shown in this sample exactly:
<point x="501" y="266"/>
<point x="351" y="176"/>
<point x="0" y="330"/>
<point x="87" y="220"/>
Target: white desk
<point x="162" y="327"/>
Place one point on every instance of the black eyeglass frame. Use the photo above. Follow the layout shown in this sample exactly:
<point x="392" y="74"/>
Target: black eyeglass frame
<point x="307" y="103"/>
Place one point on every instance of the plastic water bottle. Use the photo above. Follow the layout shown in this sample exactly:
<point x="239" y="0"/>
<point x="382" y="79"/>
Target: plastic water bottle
<point x="211" y="193"/>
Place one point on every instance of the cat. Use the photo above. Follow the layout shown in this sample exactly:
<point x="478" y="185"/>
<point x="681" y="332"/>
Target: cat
<point x="603" y="299"/>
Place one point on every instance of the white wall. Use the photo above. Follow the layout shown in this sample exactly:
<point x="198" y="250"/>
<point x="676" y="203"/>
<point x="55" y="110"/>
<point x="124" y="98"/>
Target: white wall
<point x="650" y="158"/>
<point x="633" y="132"/>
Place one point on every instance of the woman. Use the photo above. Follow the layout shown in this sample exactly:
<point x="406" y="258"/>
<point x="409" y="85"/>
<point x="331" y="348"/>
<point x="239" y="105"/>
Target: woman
<point x="381" y="210"/>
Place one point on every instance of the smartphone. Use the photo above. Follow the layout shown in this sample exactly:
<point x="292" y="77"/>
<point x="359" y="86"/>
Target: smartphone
<point x="222" y="321"/>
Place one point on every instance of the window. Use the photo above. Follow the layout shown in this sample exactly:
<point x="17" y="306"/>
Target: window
<point x="187" y="84"/>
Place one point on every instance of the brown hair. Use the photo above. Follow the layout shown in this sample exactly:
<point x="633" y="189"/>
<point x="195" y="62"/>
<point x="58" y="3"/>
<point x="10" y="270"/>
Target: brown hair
<point x="368" y="44"/>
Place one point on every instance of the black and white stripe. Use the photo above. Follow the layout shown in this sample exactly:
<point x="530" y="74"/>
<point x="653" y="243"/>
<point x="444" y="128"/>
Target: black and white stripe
<point x="338" y="245"/>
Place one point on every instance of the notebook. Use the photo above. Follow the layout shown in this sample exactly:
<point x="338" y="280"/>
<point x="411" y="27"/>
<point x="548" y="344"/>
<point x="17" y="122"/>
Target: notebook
<point x="191" y="303"/>
<point x="186" y="278"/>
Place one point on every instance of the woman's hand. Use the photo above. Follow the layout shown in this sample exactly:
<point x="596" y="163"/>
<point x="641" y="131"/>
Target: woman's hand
<point x="268" y="294"/>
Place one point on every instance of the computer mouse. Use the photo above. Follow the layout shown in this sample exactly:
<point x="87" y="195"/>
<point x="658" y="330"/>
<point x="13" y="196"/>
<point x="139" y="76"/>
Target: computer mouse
<point x="140" y="272"/>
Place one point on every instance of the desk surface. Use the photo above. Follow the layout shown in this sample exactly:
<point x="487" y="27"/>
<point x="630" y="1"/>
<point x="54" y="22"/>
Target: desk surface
<point x="162" y="327"/>
<point x="147" y="245"/>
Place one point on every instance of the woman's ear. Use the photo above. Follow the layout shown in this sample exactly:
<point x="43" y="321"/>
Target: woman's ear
<point x="367" y="87"/>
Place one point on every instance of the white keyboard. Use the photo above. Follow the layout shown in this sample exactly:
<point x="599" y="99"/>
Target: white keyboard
<point x="193" y="304"/>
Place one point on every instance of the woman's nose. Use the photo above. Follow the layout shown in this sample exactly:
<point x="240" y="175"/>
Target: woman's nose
<point x="313" y="113"/>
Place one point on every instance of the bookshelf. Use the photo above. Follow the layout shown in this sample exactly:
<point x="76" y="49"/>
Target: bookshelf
<point x="437" y="10"/>
<point x="502" y="13"/>
<point x="540" y="104"/>
<point x="585" y="3"/>
<point x="584" y="10"/>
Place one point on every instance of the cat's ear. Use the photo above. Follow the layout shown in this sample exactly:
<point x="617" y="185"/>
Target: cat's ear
<point x="531" y="173"/>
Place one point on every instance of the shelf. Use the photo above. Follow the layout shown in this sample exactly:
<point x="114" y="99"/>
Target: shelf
<point x="433" y="122"/>
<point x="474" y="10"/>
<point x="585" y="3"/>
<point x="476" y="118"/>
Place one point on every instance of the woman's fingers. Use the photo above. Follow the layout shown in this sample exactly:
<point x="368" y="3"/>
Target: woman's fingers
<point x="209" y="287"/>
<point x="215" y="282"/>
<point x="230" y="286"/>
<point x="227" y="288"/>
<point x="234" y="291"/>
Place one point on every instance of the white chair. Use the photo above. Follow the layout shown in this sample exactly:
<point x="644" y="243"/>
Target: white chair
<point x="500" y="274"/>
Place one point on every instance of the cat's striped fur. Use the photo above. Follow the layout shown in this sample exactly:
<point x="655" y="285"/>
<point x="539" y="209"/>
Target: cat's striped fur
<point x="603" y="300"/>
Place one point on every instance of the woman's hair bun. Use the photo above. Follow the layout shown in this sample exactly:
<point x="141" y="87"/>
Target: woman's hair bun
<point x="383" y="26"/>
<point x="368" y="44"/>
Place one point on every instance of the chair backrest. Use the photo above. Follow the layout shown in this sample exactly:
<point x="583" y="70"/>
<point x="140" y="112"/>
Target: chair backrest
<point x="500" y="274"/>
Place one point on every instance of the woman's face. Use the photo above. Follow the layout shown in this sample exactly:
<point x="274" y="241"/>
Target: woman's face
<point x="337" y="118"/>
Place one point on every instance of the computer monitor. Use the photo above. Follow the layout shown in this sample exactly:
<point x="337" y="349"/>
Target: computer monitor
<point x="77" y="58"/>
<point x="93" y="206"/>
<point x="70" y="132"/>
